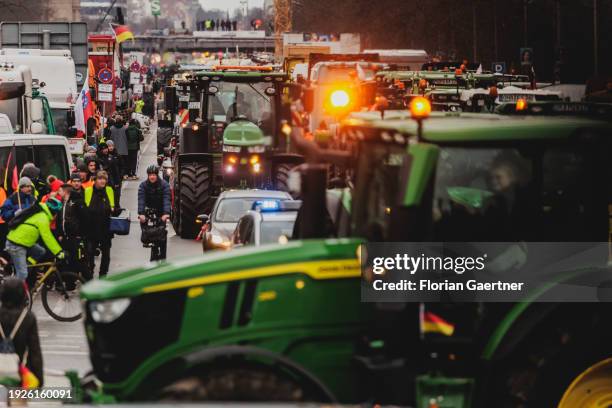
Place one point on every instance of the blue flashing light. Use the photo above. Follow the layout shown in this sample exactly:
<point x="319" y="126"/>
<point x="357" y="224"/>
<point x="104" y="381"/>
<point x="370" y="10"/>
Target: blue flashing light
<point x="267" y="205"/>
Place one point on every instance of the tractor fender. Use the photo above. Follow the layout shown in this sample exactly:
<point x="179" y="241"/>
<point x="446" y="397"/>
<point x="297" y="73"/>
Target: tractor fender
<point x="524" y="317"/>
<point x="207" y="355"/>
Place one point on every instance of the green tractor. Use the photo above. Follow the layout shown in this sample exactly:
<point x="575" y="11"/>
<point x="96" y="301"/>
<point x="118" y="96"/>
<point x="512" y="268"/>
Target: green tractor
<point x="285" y="322"/>
<point x="232" y="139"/>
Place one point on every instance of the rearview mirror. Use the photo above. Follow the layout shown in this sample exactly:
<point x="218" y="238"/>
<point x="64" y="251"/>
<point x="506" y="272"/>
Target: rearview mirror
<point x="36" y="128"/>
<point x="203" y="218"/>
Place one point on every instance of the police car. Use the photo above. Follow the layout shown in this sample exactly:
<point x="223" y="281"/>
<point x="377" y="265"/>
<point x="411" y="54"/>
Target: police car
<point x="231" y="205"/>
<point x="269" y="222"/>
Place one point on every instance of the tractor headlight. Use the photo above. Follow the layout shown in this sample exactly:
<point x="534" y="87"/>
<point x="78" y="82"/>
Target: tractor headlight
<point x="219" y="240"/>
<point x="256" y="149"/>
<point x="231" y="149"/>
<point x="169" y="171"/>
<point x="106" y="311"/>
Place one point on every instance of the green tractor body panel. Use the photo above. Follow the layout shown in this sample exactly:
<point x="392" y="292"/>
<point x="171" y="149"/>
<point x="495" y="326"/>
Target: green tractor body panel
<point x="243" y="133"/>
<point x="300" y="300"/>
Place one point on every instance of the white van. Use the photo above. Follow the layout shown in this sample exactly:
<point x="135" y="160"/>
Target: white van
<point x="50" y="153"/>
<point x="57" y="70"/>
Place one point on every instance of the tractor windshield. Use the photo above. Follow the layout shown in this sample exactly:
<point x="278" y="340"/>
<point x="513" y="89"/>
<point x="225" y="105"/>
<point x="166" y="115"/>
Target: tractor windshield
<point x="510" y="194"/>
<point x="247" y="101"/>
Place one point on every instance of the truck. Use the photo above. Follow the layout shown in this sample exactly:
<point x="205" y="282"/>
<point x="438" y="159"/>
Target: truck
<point x="56" y="75"/>
<point x="21" y="100"/>
<point x="285" y="322"/>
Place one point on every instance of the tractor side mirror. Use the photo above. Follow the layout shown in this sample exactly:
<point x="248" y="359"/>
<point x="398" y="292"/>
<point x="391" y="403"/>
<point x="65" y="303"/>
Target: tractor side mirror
<point x="202" y="218"/>
<point x="308" y="98"/>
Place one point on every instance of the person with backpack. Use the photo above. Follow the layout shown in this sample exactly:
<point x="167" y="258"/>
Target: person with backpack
<point x="69" y="230"/>
<point x="99" y="201"/>
<point x="134" y="137"/>
<point x="26" y="229"/>
<point x="19" y="340"/>
<point x="19" y="200"/>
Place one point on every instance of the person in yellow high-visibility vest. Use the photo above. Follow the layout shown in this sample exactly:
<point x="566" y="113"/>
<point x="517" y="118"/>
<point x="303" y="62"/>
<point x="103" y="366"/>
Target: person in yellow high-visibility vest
<point x="99" y="202"/>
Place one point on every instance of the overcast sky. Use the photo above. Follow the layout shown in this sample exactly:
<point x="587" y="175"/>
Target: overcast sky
<point x="228" y="4"/>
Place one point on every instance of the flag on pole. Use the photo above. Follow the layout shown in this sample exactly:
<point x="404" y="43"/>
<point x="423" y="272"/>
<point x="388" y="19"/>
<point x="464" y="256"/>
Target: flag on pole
<point x="83" y="109"/>
<point x="11" y="168"/>
<point x="432" y="323"/>
<point x="122" y="33"/>
<point x="28" y="379"/>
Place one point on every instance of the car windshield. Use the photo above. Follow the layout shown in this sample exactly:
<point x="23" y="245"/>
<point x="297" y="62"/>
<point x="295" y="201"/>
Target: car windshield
<point x="272" y="231"/>
<point x="510" y="194"/>
<point x="242" y="100"/>
<point x="11" y="108"/>
<point x="231" y="209"/>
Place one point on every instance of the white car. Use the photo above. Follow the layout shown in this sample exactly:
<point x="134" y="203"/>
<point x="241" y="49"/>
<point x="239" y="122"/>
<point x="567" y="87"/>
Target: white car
<point x="228" y="209"/>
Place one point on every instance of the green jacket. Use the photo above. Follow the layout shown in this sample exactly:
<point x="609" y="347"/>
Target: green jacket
<point x="33" y="228"/>
<point x="134" y="137"/>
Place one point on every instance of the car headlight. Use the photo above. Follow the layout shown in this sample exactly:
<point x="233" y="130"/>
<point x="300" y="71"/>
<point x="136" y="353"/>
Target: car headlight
<point x="256" y="149"/>
<point x="220" y="240"/>
<point x="231" y="149"/>
<point x="106" y="311"/>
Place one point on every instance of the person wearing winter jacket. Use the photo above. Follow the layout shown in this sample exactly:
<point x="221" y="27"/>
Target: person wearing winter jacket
<point x="41" y="188"/>
<point x="134" y="137"/>
<point x="19" y="200"/>
<point x="119" y="138"/>
<point x="22" y="241"/>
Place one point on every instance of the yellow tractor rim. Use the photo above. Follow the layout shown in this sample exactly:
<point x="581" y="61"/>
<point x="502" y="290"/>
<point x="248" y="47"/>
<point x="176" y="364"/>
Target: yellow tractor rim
<point x="591" y="389"/>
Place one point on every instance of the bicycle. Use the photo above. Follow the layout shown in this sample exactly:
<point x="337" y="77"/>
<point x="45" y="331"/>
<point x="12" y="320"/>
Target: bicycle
<point x="52" y="283"/>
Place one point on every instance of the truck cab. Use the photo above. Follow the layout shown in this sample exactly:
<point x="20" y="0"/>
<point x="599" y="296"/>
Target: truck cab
<point x="20" y="99"/>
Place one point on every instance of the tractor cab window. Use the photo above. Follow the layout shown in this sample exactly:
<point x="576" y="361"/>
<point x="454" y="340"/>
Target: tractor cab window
<point x="51" y="159"/>
<point x="242" y="101"/>
<point x="510" y="194"/>
<point x="377" y="190"/>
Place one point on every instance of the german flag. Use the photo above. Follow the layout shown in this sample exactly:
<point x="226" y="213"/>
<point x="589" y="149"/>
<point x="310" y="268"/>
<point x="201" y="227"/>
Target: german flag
<point x="122" y="33"/>
<point x="432" y="323"/>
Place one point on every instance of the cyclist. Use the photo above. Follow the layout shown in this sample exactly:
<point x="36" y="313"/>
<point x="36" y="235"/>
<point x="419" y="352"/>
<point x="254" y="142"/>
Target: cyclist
<point x="21" y="241"/>
<point x="154" y="195"/>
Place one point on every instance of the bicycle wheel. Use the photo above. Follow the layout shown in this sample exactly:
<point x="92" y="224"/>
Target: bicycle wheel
<point x="61" y="299"/>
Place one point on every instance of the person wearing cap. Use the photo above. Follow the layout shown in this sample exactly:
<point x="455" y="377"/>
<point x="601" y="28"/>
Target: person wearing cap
<point x="21" y="241"/>
<point x="13" y="303"/>
<point x="19" y="200"/>
<point x="99" y="201"/>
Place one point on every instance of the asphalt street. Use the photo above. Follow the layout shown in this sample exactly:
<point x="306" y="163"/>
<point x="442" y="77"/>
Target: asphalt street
<point x="64" y="345"/>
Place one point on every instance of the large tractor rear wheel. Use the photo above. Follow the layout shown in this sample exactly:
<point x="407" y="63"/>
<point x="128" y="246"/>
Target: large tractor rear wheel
<point x="194" y="197"/>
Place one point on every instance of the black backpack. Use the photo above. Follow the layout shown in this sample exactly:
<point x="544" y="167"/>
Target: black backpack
<point x="20" y="218"/>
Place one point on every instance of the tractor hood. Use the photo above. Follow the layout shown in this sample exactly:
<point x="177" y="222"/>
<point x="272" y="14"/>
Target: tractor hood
<point x="320" y="259"/>
<point x="243" y="133"/>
